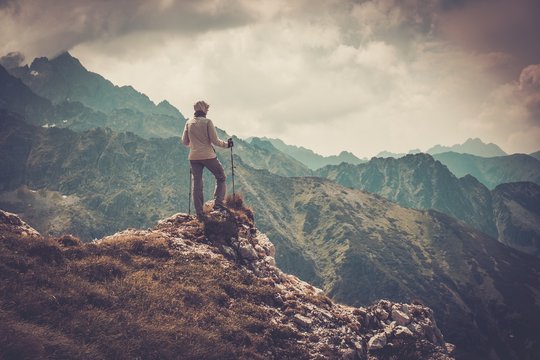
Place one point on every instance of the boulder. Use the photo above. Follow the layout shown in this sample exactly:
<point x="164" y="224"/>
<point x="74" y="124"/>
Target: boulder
<point x="248" y="252"/>
<point x="302" y="321"/>
<point x="400" y="317"/>
<point x="377" y="341"/>
<point x="402" y="331"/>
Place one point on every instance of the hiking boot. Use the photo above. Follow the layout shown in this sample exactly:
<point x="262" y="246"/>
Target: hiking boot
<point x="201" y="217"/>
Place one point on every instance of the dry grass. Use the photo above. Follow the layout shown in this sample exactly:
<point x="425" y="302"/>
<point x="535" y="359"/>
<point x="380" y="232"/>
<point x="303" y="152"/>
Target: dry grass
<point x="239" y="208"/>
<point x="131" y="297"/>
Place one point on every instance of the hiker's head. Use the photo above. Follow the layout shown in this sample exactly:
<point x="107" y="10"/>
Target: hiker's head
<point x="201" y="108"/>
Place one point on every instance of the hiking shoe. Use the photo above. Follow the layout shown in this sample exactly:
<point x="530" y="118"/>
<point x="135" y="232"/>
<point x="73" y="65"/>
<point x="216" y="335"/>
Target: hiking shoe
<point x="201" y="217"/>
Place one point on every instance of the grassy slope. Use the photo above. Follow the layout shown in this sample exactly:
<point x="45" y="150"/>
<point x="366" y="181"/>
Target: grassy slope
<point x="130" y="297"/>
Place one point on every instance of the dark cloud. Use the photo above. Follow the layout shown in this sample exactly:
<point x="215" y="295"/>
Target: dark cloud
<point x="12" y="60"/>
<point x="496" y="26"/>
<point x="50" y="27"/>
<point x="8" y="4"/>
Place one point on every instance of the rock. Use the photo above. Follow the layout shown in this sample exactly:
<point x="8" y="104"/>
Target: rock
<point x="361" y="313"/>
<point x="359" y="347"/>
<point x="9" y="218"/>
<point x="228" y="251"/>
<point x="377" y="342"/>
<point x="382" y="314"/>
<point x="270" y="260"/>
<point x="11" y="223"/>
<point x="402" y="331"/>
<point x="302" y="321"/>
<point x="389" y="328"/>
<point x="266" y="244"/>
<point x="406" y="309"/>
<point x="400" y="317"/>
<point x="248" y="252"/>
<point x="349" y="354"/>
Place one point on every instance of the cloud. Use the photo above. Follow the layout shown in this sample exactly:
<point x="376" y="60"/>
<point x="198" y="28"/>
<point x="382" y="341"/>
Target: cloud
<point x="33" y="26"/>
<point x="377" y="74"/>
<point x="499" y="26"/>
<point x="510" y="115"/>
<point x="529" y="85"/>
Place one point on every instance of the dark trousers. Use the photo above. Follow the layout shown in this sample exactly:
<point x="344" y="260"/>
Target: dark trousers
<point x="215" y="168"/>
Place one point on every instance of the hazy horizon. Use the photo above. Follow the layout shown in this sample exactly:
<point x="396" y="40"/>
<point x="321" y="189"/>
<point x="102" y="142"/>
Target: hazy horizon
<point x="359" y="76"/>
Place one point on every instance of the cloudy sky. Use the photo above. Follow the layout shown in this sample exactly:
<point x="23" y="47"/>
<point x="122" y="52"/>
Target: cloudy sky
<point x="331" y="75"/>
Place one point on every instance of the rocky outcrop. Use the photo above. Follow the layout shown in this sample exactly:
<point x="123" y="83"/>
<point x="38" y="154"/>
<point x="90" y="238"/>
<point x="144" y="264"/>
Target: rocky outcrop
<point x="12" y="224"/>
<point x="298" y="310"/>
<point x="319" y="323"/>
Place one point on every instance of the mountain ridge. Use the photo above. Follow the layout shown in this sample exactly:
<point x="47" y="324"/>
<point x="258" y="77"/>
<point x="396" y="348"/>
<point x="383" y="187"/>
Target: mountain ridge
<point x="308" y="157"/>
<point x="470" y="146"/>
<point x="419" y="181"/>
<point x="493" y="171"/>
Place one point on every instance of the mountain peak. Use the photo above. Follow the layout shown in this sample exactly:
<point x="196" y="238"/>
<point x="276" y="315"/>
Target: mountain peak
<point x="473" y="146"/>
<point x="65" y="59"/>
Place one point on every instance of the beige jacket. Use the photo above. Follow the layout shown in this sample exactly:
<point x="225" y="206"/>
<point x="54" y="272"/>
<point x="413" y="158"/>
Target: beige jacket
<point x="199" y="135"/>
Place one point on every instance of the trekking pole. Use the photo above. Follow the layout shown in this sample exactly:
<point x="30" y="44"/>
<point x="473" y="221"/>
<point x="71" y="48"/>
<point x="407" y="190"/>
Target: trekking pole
<point x="232" y="168"/>
<point x="189" y="200"/>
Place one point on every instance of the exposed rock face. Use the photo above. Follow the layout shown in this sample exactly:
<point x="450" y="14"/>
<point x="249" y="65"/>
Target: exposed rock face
<point x="320" y="327"/>
<point x="516" y="207"/>
<point x="12" y="224"/>
<point x="420" y="182"/>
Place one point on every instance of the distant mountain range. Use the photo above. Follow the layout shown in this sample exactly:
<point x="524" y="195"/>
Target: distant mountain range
<point x="470" y="146"/>
<point x="419" y="181"/>
<point x="490" y="169"/>
<point x="386" y="154"/>
<point x="308" y="157"/>
<point x="493" y="171"/>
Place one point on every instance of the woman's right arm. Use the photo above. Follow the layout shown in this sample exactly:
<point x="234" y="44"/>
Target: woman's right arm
<point x="213" y="136"/>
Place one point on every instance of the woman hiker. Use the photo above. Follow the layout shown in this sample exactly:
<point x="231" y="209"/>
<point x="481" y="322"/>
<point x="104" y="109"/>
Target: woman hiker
<point x="199" y="135"/>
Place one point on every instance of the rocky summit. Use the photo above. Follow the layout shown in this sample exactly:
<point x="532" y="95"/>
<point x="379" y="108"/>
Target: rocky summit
<point x="184" y="289"/>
